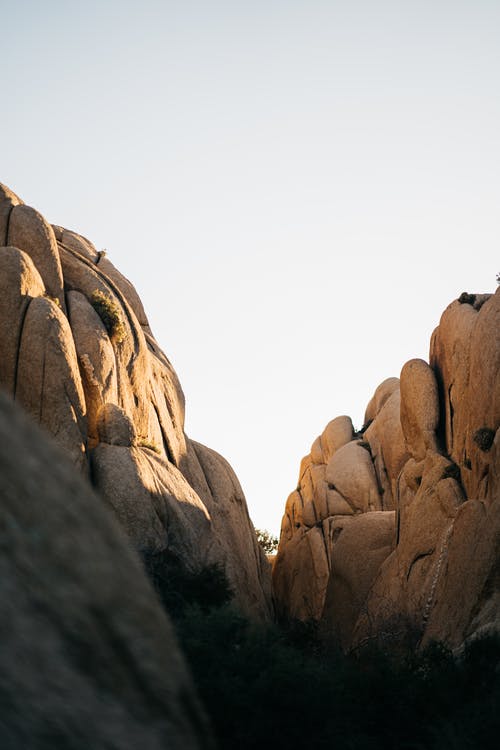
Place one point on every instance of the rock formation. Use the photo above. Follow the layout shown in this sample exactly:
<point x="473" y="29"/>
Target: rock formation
<point x="88" y="658"/>
<point x="393" y="533"/>
<point x="78" y="355"/>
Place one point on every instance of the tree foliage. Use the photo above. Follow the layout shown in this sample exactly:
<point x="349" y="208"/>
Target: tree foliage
<point x="291" y="687"/>
<point x="267" y="541"/>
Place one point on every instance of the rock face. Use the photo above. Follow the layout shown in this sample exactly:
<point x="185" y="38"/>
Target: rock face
<point x="88" y="659"/>
<point x="77" y="353"/>
<point x="393" y="534"/>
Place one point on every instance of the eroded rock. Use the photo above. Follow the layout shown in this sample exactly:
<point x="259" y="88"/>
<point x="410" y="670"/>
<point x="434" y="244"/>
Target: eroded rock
<point x="430" y="452"/>
<point x="95" y="378"/>
<point x="88" y="659"/>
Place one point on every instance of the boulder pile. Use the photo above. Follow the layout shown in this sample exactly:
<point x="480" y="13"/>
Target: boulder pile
<point x="78" y="355"/>
<point x="393" y="532"/>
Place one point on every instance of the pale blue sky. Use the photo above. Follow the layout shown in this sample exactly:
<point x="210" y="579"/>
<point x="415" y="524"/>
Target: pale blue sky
<point x="297" y="189"/>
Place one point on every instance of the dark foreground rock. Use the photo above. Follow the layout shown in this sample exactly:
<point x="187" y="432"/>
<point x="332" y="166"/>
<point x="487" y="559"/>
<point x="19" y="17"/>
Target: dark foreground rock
<point x="88" y="659"/>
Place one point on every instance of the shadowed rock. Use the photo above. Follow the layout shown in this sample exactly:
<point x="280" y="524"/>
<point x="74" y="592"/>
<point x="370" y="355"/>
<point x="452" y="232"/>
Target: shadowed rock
<point x="88" y="659"/>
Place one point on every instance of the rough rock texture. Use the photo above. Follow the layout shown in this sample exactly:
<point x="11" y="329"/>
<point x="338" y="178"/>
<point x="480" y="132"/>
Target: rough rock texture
<point x="77" y="352"/>
<point x="394" y="534"/>
<point x="88" y="659"/>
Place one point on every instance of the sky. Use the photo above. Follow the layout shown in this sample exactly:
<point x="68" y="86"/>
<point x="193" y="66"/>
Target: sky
<point x="296" y="188"/>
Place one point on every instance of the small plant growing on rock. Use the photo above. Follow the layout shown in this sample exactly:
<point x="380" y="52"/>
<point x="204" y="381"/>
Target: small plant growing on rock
<point x="267" y="541"/>
<point x="144" y="443"/>
<point x="467" y="299"/>
<point x="109" y="313"/>
<point x="484" y="438"/>
<point x="55" y="300"/>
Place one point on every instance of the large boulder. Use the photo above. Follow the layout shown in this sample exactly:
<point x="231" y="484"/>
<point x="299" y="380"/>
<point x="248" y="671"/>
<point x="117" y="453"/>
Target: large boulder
<point x="21" y="282"/>
<point x="29" y="231"/>
<point x="78" y="355"/>
<point x="338" y="483"/>
<point x="360" y="545"/>
<point x="88" y="658"/>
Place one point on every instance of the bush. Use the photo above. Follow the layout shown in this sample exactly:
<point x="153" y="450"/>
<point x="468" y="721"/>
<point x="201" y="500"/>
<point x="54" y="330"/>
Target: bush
<point x="178" y="586"/>
<point x="290" y="687"/>
<point x="110" y="314"/>
<point x="144" y="443"/>
<point x="467" y="299"/>
<point x="267" y="541"/>
<point x="263" y="687"/>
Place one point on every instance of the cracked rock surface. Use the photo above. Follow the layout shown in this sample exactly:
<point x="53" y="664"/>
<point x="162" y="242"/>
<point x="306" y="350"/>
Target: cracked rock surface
<point x="393" y="533"/>
<point x="77" y="354"/>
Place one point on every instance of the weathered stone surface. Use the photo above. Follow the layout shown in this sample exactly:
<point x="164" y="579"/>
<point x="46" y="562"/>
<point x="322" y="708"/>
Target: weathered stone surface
<point x="337" y="433"/>
<point x="293" y="515"/>
<point x="450" y="360"/>
<point x="467" y="590"/>
<point x="153" y="501"/>
<point x="76" y="242"/>
<point x="87" y="657"/>
<point x="19" y="283"/>
<point x="483" y="398"/>
<point x="132" y="356"/>
<point x="8" y="200"/>
<point x="300" y="576"/>
<point x="465" y="353"/>
<point x="114" y="427"/>
<point x="96" y="359"/>
<point x="245" y="563"/>
<point x="350" y="471"/>
<point x="360" y="545"/>
<point x="337" y="479"/>
<point x="403" y="597"/>
<point x="433" y="439"/>
<point x="387" y="445"/>
<point x="382" y="393"/>
<point x="316" y="452"/>
<point x="127" y="289"/>
<point x="419" y="408"/>
<point x="99" y="382"/>
<point x="48" y="384"/>
<point x="29" y="231"/>
<point x="337" y="505"/>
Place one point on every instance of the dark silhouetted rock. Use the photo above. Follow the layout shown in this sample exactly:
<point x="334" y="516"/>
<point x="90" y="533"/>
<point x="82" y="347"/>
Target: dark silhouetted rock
<point x="88" y="659"/>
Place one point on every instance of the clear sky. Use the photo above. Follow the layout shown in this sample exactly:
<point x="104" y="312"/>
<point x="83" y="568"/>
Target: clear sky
<point x="296" y="188"/>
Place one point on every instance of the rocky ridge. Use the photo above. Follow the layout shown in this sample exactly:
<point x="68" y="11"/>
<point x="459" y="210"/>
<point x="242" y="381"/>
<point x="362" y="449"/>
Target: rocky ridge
<point x="393" y="533"/>
<point x="78" y="355"/>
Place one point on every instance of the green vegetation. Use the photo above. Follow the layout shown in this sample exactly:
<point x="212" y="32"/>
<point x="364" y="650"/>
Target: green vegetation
<point x="55" y="300"/>
<point x="266" y="687"/>
<point x="179" y="587"/>
<point x="267" y="541"/>
<point x="110" y="314"/>
<point x="143" y="443"/>
<point x="467" y="299"/>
